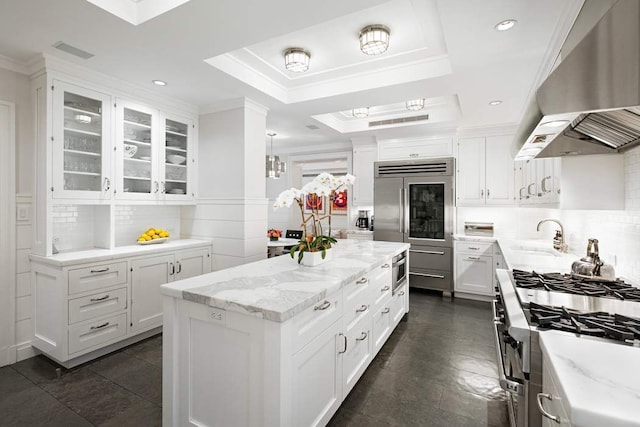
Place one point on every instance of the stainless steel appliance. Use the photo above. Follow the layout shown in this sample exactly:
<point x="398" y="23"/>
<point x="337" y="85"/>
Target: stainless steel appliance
<point x="413" y="202"/>
<point x="527" y="303"/>
<point x="363" y="220"/>
<point x="398" y="271"/>
<point x="590" y="103"/>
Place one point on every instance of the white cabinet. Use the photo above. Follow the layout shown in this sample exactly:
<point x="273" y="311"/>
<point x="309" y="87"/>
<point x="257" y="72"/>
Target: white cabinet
<point x="148" y="274"/>
<point x="552" y="400"/>
<point x="84" y="309"/>
<point x="358" y="353"/>
<point x="363" y="159"/>
<point x="422" y="148"/>
<point x="317" y="378"/>
<point x="485" y="171"/>
<point x="538" y="181"/>
<point x="81" y="143"/>
<point x="475" y="264"/>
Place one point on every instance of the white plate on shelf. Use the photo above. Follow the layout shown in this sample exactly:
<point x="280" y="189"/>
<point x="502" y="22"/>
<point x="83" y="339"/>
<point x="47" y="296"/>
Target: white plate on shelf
<point x="176" y="191"/>
<point x="154" y="241"/>
<point x="176" y="159"/>
<point x="145" y="158"/>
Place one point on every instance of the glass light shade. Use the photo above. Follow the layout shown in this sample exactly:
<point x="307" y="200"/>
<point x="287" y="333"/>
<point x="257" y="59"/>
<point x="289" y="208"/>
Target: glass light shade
<point x="360" y="112"/>
<point x="82" y="118"/>
<point x="273" y="168"/>
<point x="415" y="104"/>
<point x="374" y="39"/>
<point x="296" y="59"/>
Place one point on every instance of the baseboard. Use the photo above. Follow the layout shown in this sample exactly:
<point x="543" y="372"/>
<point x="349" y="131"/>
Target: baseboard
<point x="464" y="295"/>
<point x="25" y="351"/>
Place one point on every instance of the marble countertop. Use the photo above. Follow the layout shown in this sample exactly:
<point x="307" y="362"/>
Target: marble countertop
<point x="64" y="259"/>
<point x="278" y="288"/>
<point x="467" y="238"/>
<point x="600" y="381"/>
<point x="537" y="255"/>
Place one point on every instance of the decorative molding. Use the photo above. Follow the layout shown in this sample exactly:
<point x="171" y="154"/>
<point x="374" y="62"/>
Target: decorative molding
<point x="13" y="65"/>
<point x="234" y="104"/>
<point x="315" y="149"/>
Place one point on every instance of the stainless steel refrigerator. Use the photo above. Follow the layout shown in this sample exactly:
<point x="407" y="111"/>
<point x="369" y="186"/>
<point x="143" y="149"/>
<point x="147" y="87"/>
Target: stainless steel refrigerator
<point x="413" y="203"/>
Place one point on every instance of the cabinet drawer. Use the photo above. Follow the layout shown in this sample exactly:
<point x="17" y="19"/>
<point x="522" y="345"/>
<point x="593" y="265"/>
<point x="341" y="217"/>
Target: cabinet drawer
<point x="380" y="276"/>
<point x="97" y="276"/>
<point x="431" y="257"/>
<point x="82" y="337"/>
<point x="315" y="319"/>
<point x="358" y="298"/>
<point x="478" y="248"/>
<point x="431" y="279"/>
<point x="96" y="305"/>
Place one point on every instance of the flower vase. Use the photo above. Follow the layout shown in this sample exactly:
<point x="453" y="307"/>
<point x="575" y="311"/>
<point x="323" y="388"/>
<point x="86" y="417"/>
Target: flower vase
<point x="311" y="259"/>
<point x="273" y="239"/>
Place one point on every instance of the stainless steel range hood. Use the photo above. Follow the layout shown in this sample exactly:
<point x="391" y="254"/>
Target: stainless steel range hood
<point x="590" y="103"/>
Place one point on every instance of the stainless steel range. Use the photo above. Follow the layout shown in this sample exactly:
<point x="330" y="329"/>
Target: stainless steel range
<point x="527" y="303"/>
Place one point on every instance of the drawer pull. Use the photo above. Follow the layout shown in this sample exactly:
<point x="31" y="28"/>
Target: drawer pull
<point x="99" y="270"/>
<point x="434" y="276"/>
<point x="385" y="289"/>
<point x="544" y="412"/>
<point x="100" y="299"/>
<point x="104" y="325"/>
<point x="345" y="344"/>
<point x="323" y="306"/>
<point x="401" y="293"/>
<point x="473" y="258"/>
<point x="473" y="248"/>
<point x="362" y="337"/>
<point x="362" y="308"/>
<point x="385" y="266"/>
<point x="362" y="281"/>
<point x="428" y="252"/>
<point x="386" y="310"/>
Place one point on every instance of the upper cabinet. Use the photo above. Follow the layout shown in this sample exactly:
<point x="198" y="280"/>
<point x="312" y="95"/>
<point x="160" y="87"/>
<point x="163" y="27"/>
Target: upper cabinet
<point x="178" y="159"/>
<point x="485" y="171"/>
<point x="363" y="159"/>
<point x="81" y="143"/>
<point x="423" y="148"/>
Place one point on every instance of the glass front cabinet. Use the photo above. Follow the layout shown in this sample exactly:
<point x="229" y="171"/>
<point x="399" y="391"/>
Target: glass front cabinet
<point x="81" y="144"/>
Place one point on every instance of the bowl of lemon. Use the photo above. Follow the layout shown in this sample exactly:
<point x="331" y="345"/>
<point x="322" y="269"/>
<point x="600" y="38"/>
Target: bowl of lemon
<point x="153" y="236"/>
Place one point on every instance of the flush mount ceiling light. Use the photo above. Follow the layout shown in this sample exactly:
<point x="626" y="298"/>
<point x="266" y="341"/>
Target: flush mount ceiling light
<point x="296" y="59"/>
<point x="505" y="25"/>
<point x="360" y="112"/>
<point x="159" y="82"/>
<point x="274" y="167"/>
<point x="374" y="39"/>
<point x="494" y="103"/>
<point x="415" y="104"/>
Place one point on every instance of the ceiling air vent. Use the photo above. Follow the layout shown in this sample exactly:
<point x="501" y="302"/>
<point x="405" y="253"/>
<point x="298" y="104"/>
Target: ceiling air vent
<point x="73" y="50"/>
<point x="399" y="120"/>
<point x="312" y="127"/>
<point x="426" y="167"/>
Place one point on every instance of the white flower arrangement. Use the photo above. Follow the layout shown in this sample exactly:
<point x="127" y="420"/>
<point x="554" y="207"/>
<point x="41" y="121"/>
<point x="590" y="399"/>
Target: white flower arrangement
<point x="323" y="185"/>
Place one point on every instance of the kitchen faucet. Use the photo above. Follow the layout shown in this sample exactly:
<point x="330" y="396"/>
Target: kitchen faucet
<point x="558" y="240"/>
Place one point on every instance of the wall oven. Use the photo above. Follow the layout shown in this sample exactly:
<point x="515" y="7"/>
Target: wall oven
<point x="399" y="271"/>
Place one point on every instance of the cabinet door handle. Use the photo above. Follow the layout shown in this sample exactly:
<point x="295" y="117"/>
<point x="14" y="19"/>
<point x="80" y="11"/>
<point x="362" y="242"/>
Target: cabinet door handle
<point x="99" y="270"/>
<point x="488" y="193"/>
<point x="179" y="267"/>
<point x="104" y="325"/>
<point x="156" y="186"/>
<point x="172" y="269"/>
<point x="362" y="308"/>
<point x="400" y="206"/>
<point x="520" y="192"/>
<point x="345" y="343"/>
<point x="543" y="184"/>
<point x="544" y="412"/>
<point x="163" y="186"/>
<point x="323" y="306"/>
<point x="362" y="337"/>
<point x="386" y="310"/>
<point x="362" y="281"/>
<point x="100" y="299"/>
<point x="385" y="289"/>
<point x="529" y="193"/>
<point x="107" y="184"/>
<point x="473" y="248"/>
<point x="400" y="293"/>
<point x="385" y="266"/>
<point x="473" y="258"/>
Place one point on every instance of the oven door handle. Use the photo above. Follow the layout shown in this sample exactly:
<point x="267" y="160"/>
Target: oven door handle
<point x="510" y="384"/>
<point x="494" y="308"/>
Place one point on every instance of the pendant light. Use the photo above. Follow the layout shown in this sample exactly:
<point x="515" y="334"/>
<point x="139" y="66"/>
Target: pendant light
<point x="274" y="167"/>
<point x="415" y="104"/>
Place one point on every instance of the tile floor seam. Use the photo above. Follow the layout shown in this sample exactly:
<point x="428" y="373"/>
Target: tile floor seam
<point x="124" y="388"/>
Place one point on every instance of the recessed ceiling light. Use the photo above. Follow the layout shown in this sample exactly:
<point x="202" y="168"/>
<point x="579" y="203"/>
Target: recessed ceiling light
<point x="360" y="112"/>
<point x="296" y="59"/>
<point x="159" y="82"/>
<point x="374" y="39"/>
<point x="494" y="103"/>
<point x="555" y="123"/>
<point x="505" y="25"/>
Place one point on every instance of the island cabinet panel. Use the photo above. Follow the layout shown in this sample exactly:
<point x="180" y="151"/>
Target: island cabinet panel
<point x="225" y="366"/>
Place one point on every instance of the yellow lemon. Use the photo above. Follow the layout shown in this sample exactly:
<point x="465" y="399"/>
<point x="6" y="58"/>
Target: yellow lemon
<point x="141" y="240"/>
<point x="164" y="234"/>
<point x="147" y="237"/>
<point x="151" y="230"/>
<point x="155" y="236"/>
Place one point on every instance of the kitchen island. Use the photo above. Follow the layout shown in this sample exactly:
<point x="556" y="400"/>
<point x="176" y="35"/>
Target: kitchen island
<point x="273" y="343"/>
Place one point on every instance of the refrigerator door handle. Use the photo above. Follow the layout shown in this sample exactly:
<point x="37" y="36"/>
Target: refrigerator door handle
<point x="405" y="215"/>
<point x="400" y="210"/>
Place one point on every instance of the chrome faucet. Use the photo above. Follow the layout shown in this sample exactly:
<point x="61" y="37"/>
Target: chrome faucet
<point x="558" y="240"/>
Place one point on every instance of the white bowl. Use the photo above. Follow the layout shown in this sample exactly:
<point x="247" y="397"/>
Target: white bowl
<point x="176" y="191"/>
<point x="130" y="150"/>
<point x="176" y="159"/>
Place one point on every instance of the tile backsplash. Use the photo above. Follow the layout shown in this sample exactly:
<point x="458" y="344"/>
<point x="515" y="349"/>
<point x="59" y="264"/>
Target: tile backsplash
<point x="73" y="227"/>
<point x="131" y="220"/>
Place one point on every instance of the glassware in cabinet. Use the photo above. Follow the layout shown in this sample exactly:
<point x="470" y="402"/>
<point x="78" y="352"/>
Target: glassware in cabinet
<point x="177" y="153"/>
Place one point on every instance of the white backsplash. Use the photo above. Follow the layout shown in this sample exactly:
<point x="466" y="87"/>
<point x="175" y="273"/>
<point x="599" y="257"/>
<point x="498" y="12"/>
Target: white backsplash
<point x="73" y="227"/>
<point x="131" y="220"/>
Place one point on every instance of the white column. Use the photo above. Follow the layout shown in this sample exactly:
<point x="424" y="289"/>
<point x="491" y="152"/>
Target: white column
<point x="231" y="207"/>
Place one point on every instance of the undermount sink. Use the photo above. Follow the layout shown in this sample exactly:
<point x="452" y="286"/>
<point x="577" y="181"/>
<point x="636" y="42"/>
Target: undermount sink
<point x="533" y="250"/>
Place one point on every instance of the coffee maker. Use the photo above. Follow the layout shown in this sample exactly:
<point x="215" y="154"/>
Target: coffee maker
<point x="363" y="220"/>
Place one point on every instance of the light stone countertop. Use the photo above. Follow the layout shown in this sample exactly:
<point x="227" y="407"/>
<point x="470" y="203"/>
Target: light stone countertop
<point x="538" y="255"/>
<point x="278" y="288"/>
<point x="467" y="238"/>
<point x="64" y="259"/>
<point x="600" y="381"/>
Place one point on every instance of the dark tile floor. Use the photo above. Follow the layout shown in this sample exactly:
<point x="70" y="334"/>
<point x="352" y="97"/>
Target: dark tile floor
<point x="437" y="369"/>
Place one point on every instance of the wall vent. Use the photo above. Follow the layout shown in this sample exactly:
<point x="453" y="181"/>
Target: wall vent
<point x="73" y="50"/>
<point x="426" y="167"/>
<point x="399" y="120"/>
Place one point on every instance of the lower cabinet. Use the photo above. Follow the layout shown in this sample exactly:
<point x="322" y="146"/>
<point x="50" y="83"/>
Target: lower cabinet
<point x="85" y="309"/>
<point x="551" y="401"/>
<point x="474" y="266"/>
<point x="297" y="372"/>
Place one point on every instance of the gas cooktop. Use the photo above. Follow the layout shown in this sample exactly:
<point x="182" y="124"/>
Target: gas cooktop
<point x="565" y="283"/>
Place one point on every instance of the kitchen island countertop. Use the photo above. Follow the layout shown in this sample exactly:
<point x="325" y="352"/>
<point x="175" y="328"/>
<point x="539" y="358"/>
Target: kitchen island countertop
<point x="279" y="288"/>
<point x="596" y="390"/>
